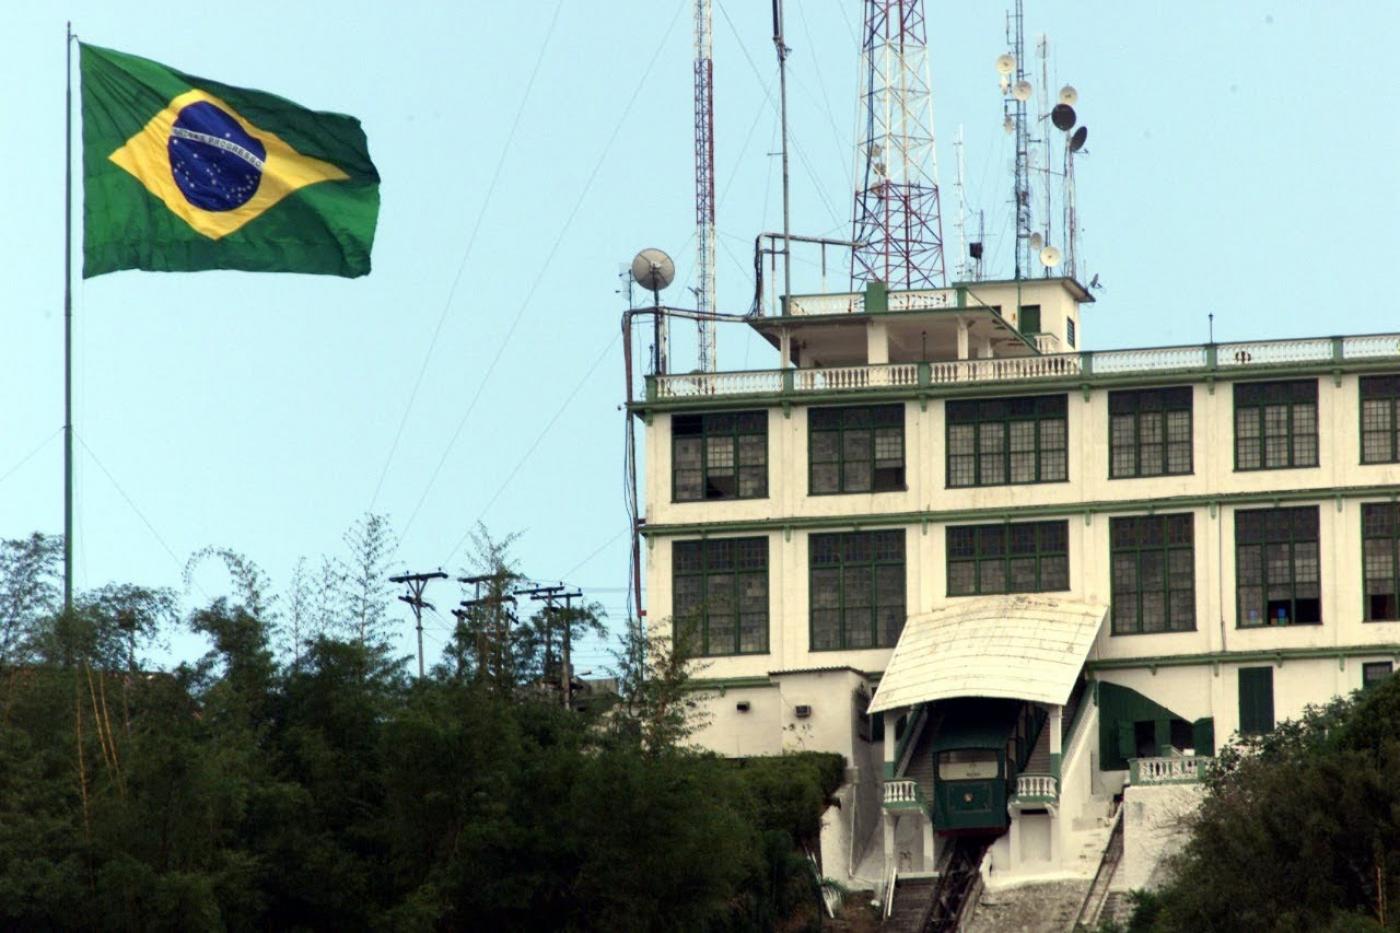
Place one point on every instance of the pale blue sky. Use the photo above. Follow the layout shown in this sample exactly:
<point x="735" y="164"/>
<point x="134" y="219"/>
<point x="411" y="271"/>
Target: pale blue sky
<point x="1243" y="161"/>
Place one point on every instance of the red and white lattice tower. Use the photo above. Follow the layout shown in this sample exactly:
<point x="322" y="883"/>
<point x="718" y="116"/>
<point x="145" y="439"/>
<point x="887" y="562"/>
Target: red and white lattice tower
<point x="704" y="185"/>
<point x="898" y="225"/>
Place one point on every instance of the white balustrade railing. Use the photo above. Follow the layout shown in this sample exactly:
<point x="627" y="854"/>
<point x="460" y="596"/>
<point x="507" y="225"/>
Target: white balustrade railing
<point x="923" y="300"/>
<point x="808" y="305"/>
<point x="1228" y="356"/>
<point x="1153" y="358"/>
<point x="1374" y="345"/>
<point x="1274" y="352"/>
<point x="903" y="794"/>
<point x="1036" y="785"/>
<point x="838" y="378"/>
<point x="1048" y="343"/>
<point x="1182" y="769"/>
<point x="700" y="385"/>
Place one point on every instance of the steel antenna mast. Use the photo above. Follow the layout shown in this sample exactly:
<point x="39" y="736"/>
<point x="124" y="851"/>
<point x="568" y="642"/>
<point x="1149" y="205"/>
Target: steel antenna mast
<point x="897" y="225"/>
<point x="704" y="184"/>
<point x="1018" y="94"/>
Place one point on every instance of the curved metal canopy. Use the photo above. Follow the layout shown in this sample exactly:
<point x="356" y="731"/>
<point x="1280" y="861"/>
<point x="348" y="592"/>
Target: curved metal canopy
<point x="1024" y="647"/>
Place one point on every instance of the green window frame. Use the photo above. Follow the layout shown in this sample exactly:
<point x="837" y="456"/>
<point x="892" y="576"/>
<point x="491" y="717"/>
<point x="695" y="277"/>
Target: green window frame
<point x="1256" y="700"/>
<point x="1010" y="557"/>
<point x="1374" y="673"/>
<point x="1069" y="331"/>
<point x="1030" y="319"/>
<point x="1278" y="577"/>
<point x="856" y="589"/>
<point x="722" y="455"/>
<point x="719" y="588"/>
<point x="1149" y="433"/>
<point x="1380" y="419"/>
<point x="1275" y="425"/>
<point x="1380" y="559"/>
<point x="855" y="449"/>
<point x="1007" y="441"/>
<point x="1154" y="573"/>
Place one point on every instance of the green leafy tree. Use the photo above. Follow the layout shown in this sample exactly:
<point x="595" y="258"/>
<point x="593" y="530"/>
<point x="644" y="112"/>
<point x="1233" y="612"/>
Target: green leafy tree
<point x="30" y="580"/>
<point x="1300" y="828"/>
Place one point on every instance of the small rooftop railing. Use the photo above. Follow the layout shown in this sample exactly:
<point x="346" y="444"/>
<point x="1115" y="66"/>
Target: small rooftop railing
<point x="854" y="302"/>
<point x="1176" y="769"/>
<point x="1220" y="357"/>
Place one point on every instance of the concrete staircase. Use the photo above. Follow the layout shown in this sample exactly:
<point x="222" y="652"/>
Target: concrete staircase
<point x="1039" y="762"/>
<point x="913" y="899"/>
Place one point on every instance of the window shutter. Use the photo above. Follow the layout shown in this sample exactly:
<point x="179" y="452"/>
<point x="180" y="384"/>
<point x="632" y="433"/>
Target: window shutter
<point x="1256" y="700"/>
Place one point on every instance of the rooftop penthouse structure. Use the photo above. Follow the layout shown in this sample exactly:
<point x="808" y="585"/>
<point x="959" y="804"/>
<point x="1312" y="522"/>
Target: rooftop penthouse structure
<point x="1011" y="580"/>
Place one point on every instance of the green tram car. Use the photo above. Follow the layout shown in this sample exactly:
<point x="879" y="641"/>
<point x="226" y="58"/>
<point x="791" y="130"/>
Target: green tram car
<point x="980" y="747"/>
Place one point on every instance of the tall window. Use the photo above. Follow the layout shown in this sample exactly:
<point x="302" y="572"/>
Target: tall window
<point x="720" y="590"/>
<point x="1154" y="576"/>
<point x="1275" y="425"/>
<point x="1149" y="432"/>
<point x="1277" y="581"/>
<point x="1380" y="543"/>
<point x="857" y="592"/>
<point x="1380" y="419"/>
<point x="1256" y="700"/>
<point x="719" y="456"/>
<point x="856" y="449"/>
<point x="1069" y="331"/>
<point x="992" y="442"/>
<point x="1019" y="557"/>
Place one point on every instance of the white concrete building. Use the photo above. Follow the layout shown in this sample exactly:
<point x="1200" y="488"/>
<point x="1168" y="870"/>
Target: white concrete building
<point x="935" y="521"/>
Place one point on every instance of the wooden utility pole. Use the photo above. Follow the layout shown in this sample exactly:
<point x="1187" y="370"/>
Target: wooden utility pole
<point x="494" y="600"/>
<point x="417" y="583"/>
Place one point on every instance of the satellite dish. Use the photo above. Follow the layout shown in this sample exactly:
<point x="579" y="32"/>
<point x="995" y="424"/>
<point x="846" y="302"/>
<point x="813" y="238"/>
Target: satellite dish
<point x="1063" y="117"/>
<point x="1037" y="241"/>
<point x="653" y="269"/>
<point x="1022" y="90"/>
<point x="1076" y="142"/>
<point x="1005" y="83"/>
<point x="1049" y="257"/>
<point x="1008" y="124"/>
<point x="1068" y="95"/>
<point x="1006" y="64"/>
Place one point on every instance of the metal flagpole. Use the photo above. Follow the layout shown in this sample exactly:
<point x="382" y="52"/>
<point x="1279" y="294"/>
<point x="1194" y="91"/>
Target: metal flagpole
<point x="68" y="333"/>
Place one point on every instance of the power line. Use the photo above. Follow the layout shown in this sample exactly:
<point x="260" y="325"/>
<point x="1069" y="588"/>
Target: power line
<point x="540" y="437"/>
<point x="548" y="260"/>
<point x="139" y="514"/>
<point x="471" y="242"/>
<point x="29" y="456"/>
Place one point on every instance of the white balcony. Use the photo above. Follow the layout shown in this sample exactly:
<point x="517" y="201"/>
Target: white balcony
<point x="904" y="795"/>
<point x="1036" y="786"/>
<point x="1177" y="769"/>
<point x="1224" y="357"/>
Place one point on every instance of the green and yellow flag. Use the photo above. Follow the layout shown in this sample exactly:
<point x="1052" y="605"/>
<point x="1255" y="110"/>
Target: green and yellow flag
<point x="182" y="174"/>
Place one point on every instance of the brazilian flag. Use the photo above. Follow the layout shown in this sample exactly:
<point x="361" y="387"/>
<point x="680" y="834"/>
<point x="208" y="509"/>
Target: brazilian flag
<point x="182" y="174"/>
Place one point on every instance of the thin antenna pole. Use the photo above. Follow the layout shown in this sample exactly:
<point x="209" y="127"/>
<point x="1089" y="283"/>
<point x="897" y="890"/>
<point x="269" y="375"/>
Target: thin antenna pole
<point x="960" y="267"/>
<point x="1043" y="47"/>
<point x="68" y="327"/>
<point x="782" y="108"/>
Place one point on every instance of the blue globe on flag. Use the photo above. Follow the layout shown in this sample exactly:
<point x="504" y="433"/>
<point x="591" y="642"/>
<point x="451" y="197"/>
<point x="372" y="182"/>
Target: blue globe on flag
<point x="216" y="164"/>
